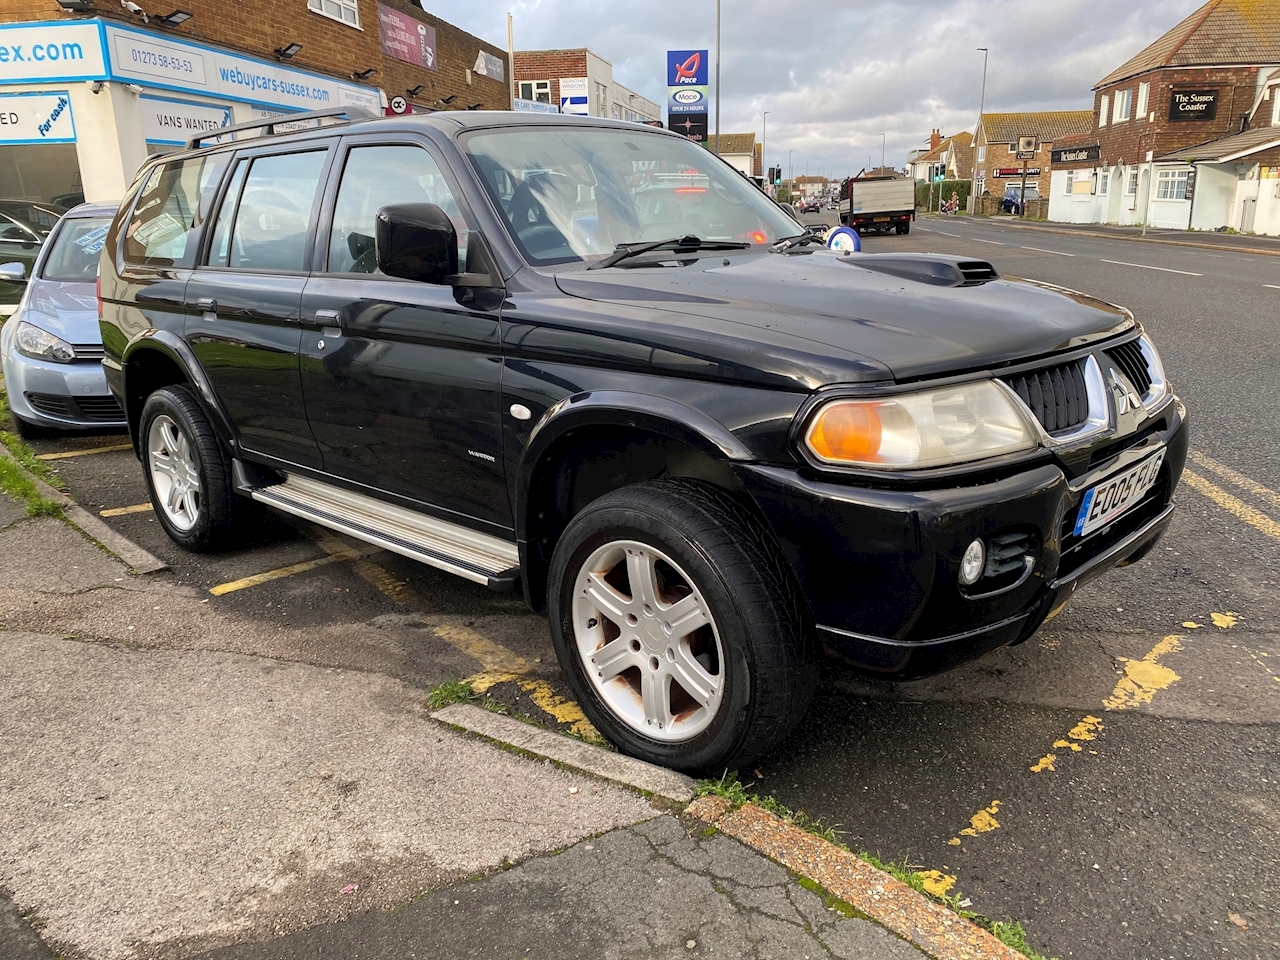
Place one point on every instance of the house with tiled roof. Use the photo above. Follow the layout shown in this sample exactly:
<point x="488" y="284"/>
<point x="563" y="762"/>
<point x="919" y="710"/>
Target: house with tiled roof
<point x="741" y="150"/>
<point x="952" y="157"/>
<point x="1179" y="135"/>
<point x="997" y="154"/>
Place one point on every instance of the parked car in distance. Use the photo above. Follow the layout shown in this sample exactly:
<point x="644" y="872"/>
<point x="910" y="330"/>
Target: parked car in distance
<point x="24" y="224"/>
<point x="51" y="348"/>
<point x="1011" y="202"/>
<point x="705" y="444"/>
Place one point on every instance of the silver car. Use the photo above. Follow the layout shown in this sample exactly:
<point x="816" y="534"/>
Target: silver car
<point x="51" y="346"/>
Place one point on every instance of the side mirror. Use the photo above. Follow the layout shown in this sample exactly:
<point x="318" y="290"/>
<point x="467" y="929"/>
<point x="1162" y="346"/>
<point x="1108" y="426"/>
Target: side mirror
<point x="417" y="241"/>
<point x="13" y="272"/>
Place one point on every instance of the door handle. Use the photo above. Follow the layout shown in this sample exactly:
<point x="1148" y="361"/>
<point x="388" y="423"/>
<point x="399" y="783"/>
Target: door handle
<point x="207" y="305"/>
<point x="323" y="315"/>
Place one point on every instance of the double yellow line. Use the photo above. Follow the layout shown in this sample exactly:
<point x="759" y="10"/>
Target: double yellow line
<point x="1228" y="501"/>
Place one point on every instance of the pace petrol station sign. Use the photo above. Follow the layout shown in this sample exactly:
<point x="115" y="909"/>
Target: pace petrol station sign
<point x="687" y="72"/>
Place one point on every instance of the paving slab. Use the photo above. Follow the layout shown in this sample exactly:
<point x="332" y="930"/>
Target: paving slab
<point x="652" y="890"/>
<point x="157" y="802"/>
<point x="47" y="555"/>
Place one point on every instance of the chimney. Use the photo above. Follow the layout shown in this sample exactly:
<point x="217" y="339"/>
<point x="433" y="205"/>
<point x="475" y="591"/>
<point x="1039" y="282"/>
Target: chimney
<point x="935" y="140"/>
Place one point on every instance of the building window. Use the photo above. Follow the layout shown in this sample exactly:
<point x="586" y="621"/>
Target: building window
<point x="1103" y="102"/>
<point x="982" y="150"/>
<point x="1104" y="182"/>
<point x="1124" y="100"/>
<point x="1172" y="185"/>
<point x="1144" y="96"/>
<point x="344" y="10"/>
<point x="536" y="90"/>
<point x="1275" y="106"/>
<point x="1131" y="185"/>
<point x="1071" y="181"/>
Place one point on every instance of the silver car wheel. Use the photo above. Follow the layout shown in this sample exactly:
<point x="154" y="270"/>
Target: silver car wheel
<point x="648" y="641"/>
<point x="175" y="473"/>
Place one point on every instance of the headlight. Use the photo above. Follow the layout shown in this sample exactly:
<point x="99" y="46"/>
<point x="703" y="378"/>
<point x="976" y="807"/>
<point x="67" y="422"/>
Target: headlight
<point x="932" y="428"/>
<point x="1160" y="387"/>
<point x="43" y="345"/>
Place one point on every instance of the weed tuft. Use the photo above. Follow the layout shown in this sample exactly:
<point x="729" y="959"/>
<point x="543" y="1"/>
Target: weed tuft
<point x="1011" y="934"/>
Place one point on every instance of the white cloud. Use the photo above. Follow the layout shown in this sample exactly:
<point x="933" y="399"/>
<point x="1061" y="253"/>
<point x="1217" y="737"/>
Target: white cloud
<point x="835" y="76"/>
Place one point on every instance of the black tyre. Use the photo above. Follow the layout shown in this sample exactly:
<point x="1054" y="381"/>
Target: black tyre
<point x="679" y="627"/>
<point x="904" y="228"/>
<point x="27" y="431"/>
<point x="188" y="472"/>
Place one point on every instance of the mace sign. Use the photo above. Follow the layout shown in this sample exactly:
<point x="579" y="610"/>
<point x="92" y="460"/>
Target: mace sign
<point x="1193" y="104"/>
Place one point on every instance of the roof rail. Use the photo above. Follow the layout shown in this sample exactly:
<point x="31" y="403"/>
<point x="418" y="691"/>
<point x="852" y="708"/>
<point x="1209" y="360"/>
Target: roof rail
<point x="269" y="123"/>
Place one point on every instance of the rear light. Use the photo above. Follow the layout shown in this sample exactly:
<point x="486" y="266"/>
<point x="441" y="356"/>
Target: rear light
<point x="759" y="237"/>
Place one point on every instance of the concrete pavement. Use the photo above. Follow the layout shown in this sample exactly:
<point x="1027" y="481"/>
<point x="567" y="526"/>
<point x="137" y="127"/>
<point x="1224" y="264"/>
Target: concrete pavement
<point x="161" y="798"/>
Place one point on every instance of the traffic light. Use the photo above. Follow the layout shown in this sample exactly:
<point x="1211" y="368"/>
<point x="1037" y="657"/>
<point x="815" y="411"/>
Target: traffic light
<point x="775" y="175"/>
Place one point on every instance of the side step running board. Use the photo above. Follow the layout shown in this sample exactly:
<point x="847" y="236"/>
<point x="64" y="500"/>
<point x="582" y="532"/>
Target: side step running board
<point x="477" y="556"/>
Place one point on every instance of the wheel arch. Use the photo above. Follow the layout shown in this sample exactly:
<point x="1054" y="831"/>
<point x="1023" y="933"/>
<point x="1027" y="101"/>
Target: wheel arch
<point x="590" y="444"/>
<point x="159" y="358"/>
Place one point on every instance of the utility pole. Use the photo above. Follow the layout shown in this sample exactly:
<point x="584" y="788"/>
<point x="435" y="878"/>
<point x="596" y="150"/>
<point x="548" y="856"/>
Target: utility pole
<point x="511" y="60"/>
<point x="717" y="78"/>
<point x="884" y="137"/>
<point x="982" y="106"/>
<point x="791" y="172"/>
<point x="764" y="142"/>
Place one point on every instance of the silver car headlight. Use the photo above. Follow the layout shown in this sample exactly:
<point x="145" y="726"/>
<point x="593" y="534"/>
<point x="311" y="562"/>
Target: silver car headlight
<point x="931" y="428"/>
<point x="42" y="345"/>
<point x="1160" y="386"/>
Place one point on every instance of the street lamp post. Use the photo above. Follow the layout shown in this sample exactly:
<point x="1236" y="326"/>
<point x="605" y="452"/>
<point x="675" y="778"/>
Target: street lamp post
<point x="884" y="137"/>
<point x="717" y="78"/>
<point x="791" y="171"/>
<point x="982" y="105"/>
<point x="764" y="142"/>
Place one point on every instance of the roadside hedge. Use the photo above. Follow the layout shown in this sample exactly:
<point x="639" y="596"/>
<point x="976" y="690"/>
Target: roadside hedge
<point x="961" y="187"/>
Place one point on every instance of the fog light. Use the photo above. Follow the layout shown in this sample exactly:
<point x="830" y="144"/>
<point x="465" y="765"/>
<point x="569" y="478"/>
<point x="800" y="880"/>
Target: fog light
<point x="975" y="558"/>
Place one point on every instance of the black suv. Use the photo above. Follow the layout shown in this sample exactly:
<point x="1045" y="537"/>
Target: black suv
<point x="708" y="446"/>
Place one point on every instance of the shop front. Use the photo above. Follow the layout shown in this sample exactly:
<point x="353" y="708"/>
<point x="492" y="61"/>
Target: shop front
<point x="83" y="103"/>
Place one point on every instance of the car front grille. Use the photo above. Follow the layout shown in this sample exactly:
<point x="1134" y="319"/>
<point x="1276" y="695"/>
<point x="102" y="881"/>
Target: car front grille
<point x="1056" y="395"/>
<point x="88" y="351"/>
<point x="91" y="409"/>
<point x="1128" y="357"/>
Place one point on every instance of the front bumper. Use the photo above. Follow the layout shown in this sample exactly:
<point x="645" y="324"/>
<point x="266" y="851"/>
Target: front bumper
<point x="879" y="567"/>
<point x="66" y="396"/>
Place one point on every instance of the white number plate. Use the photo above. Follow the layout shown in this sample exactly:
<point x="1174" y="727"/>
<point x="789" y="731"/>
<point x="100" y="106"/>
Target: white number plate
<point x="1106" y="501"/>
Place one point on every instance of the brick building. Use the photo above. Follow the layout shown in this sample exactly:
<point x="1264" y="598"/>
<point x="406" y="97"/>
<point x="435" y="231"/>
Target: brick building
<point x="1206" y="81"/>
<point x="997" y="147"/>
<point x="579" y="81"/>
<point x="100" y="88"/>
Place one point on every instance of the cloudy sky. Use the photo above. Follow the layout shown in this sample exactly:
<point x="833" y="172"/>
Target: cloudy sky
<point x="836" y="75"/>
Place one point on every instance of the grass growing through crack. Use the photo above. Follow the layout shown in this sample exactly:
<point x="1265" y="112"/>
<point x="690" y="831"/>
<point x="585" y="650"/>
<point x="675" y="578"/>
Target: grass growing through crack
<point x="460" y="691"/>
<point x="1008" y="932"/>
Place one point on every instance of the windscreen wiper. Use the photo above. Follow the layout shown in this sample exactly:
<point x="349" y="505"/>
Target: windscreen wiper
<point x="786" y="243"/>
<point x="686" y="243"/>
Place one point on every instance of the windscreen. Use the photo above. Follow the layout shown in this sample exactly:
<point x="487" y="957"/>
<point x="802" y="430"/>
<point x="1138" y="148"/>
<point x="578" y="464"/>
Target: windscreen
<point x="571" y="194"/>
<point x="74" y="257"/>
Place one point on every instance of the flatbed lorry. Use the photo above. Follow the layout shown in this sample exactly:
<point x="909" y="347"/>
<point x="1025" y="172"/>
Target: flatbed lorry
<point x="879" y="203"/>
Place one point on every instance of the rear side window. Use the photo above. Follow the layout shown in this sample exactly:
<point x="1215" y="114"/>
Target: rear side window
<point x="264" y="224"/>
<point x="172" y="204"/>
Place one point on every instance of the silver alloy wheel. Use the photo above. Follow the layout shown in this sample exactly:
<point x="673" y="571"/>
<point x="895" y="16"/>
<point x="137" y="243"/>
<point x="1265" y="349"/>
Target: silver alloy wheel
<point x="648" y="641"/>
<point x="175" y="473"/>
